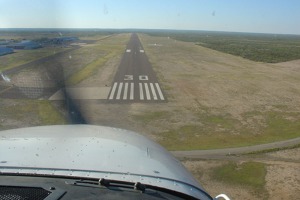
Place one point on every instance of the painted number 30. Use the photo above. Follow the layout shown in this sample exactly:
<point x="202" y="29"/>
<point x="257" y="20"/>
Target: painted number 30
<point x="130" y="78"/>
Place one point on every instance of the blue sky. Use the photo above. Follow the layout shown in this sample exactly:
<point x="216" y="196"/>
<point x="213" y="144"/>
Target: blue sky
<point x="261" y="16"/>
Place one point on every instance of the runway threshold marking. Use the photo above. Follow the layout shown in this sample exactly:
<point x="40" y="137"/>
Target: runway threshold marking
<point x="145" y="92"/>
<point x="159" y="91"/>
<point x="131" y="91"/>
<point x="153" y="91"/>
<point x="113" y="90"/>
<point x="125" y="91"/>
<point x="119" y="91"/>
<point x="141" y="91"/>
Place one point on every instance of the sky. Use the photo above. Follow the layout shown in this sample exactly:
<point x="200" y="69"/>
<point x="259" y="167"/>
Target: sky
<point x="256" y="16"/>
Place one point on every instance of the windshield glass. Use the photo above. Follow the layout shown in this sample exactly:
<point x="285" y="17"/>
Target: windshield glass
<point x="190" y="75"/>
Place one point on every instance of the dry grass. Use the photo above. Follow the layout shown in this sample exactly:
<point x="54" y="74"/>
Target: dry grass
<point x="279" y="179"/>
<point x="236" y="101"/>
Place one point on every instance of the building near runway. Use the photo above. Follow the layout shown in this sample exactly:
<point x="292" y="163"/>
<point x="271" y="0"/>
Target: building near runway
<point x="5" y="50"/>
<point x="63" y="40"/>
<point x="25" y="44"/>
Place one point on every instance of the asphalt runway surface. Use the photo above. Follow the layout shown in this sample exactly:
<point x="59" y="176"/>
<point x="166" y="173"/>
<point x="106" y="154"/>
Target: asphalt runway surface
<point x="135" y="80"/>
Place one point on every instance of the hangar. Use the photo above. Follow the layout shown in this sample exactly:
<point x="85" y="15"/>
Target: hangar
<point x="62" y="40"/>
<point x="25" y="44"/>
<point x="5" y="50"/>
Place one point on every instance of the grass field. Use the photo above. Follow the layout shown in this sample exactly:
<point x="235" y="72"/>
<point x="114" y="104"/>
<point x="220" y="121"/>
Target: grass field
<point x="269" y="48"/>
<point x="19" y="34"/>
<point x="26" y="112"/>
<point x="217" y="100"/>
<point x="25" y="56"/>
<point x="224" y="132"/>
<point x="105" y="52"/>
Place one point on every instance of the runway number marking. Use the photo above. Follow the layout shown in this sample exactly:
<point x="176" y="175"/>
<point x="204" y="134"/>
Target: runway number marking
<point x="143" y="78"/>
<point x="128" y="78"/>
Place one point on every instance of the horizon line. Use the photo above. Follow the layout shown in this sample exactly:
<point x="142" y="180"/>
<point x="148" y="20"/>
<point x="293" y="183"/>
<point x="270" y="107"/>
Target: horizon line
<point x="153" y="29"/>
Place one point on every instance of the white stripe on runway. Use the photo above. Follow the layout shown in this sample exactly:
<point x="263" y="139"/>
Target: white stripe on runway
<point x="153" y="91"/>
<point x="141" y="91"/>
<point x="111" y="96"/>
<point x="147" y="91"/>
<point x="131" y="91"/>
<point x="119" y="91"/>
<point x="125" y="91"/>
<point x="159" y="91"/>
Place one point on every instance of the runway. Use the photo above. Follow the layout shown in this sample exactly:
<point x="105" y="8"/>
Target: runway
<point x="135" y="80"/>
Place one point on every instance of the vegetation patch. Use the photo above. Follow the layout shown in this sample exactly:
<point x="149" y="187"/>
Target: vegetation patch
<point x="151" y="116"/>
<point x="103" y="52"/>
<point x="25" y="56"/>
<point x="48" y="114"/>
<point x="248" y="174"/>
<point x="30" y="113"/>
<point x="269" y="48"/>
<point x="222" y="131"/>
<point x="88" y="70"/>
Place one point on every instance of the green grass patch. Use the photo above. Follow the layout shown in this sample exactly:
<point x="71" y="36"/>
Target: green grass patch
<point x="256" y="47"/>
<point x="25" y="56"/>
<point x="31" y="113"/>
<point x="48" y="114"/>
<point x="270" y="48"/>
<point x="224" y="122"/>
<point x="88" y="70"/>
<point x="151" y="116"/>
<point x="279" y="124"/>
<point x="248" y="174"/>
<point x="103" y="51"/>
<point x="222" y="131"/>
